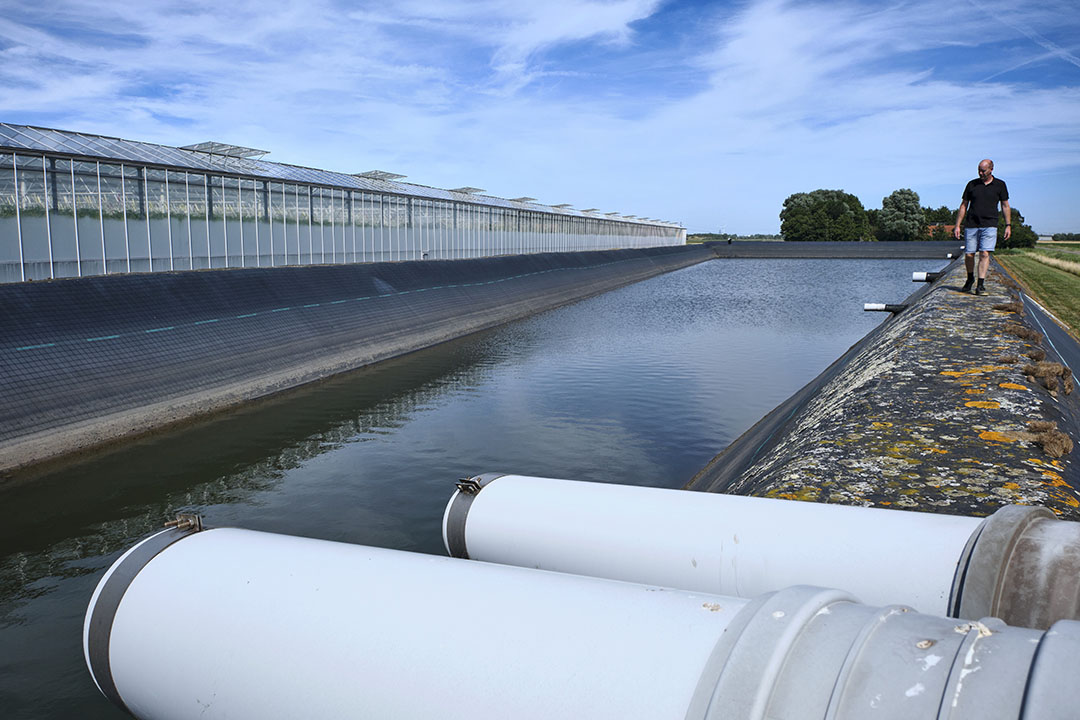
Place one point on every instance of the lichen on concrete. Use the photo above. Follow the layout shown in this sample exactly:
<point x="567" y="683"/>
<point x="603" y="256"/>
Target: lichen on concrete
<point x="932" y="416"/>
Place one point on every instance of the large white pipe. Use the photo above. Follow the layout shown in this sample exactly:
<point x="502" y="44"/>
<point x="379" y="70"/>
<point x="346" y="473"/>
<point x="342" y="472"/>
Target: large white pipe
<point x="237" y="623"/>
<point x="246" y="625"/>
<point x="745" y="546"/>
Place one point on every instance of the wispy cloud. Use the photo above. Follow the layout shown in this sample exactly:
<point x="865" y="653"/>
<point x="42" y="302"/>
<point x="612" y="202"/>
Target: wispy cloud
<point x="710" y="114"/>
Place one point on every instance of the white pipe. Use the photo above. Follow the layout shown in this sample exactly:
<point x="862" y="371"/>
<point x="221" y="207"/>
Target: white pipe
<point x="722" y="544"/>
<point x="884" y="307"/>
<point x="247" y="625"/>
<point x="237" y="623"/>
<point x="1020" y="564"/>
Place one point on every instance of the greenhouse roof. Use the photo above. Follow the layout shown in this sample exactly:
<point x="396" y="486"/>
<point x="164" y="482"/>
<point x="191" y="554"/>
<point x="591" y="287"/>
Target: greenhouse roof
<point x="223" y="159"/>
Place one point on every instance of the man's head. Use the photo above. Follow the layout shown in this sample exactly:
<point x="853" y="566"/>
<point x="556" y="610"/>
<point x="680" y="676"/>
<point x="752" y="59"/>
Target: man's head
<point x="986" y="169"/>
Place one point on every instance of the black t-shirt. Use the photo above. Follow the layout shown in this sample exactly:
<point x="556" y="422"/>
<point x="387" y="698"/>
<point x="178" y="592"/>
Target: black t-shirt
<point x="984" y="199"/>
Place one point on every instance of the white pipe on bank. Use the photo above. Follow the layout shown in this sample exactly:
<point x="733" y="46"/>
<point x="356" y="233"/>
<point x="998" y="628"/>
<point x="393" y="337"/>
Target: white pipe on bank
<point x="248" y="625"/>
<point x="237" y="623"/>
<point x="745" y="546"/>
<point x="723" y="544"/>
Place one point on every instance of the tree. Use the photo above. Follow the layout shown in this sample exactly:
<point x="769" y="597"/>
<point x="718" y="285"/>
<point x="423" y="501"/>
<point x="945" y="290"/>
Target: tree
<point x="823" y="215"/>
<point x="901" y="217"/>
<point x="940" y="232"/>
<point x="1022" y="234"/>
<point x="873" y="220"/>
<point x="940" y="216"/>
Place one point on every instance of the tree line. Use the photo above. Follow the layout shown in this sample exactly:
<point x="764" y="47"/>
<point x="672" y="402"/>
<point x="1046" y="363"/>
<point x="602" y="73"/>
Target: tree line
<point x="823" y="215"/>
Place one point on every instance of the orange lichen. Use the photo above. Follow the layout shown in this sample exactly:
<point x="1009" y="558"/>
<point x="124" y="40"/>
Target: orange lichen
<point x="1012" y="386"/>
<point x="994" y="436"/>
<point x="974" y="391"/>
<point x="987" y="404"/>
<point x="881" y="424"/>
<point x="974" y="370"/>
<point x="1055" y="479"/>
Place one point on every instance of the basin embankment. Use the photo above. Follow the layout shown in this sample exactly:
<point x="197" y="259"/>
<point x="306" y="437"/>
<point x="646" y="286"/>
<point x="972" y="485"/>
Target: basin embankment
<point x="836" y="250"/>
<point x="92" y="360"/>
<point x="958" y="404"/>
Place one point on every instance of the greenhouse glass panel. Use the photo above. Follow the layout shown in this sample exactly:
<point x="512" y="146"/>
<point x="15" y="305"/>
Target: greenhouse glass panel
<point x="10" y="246"/>
<point x="57" y="208"/>
<point x="276" y="202"/>
<point x="179" y="227"/>
<point x="138" y="230"/>
<point x="88" y="212"/>
<point x="234" y="229"/>
<point x="304" y="203"/>
<point x="215" y="212"/>
<point x="158" y="209"/>
<point x="292" y="224"/>
<point x="200" y="227"/>
<point x="112" y="222"/>
<point x="264" y="231"/>
<point x="249" y="231"/>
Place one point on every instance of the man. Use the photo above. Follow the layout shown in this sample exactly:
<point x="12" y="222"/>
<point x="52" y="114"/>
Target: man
<point x="980" y="206"/>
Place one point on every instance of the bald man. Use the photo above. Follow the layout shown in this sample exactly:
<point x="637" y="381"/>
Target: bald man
<point x="980" y="206"/>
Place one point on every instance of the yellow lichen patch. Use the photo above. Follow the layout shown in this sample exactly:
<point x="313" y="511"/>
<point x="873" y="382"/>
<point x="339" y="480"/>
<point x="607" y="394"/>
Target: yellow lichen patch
<point x="987" y="404"/>
<point x="974" y="391"/>
<point x="936" y="450"/>
<point x="1071" y="502"/>
<point x="995" y="436"/>
<point x="1011" y="486"/>
<point x="1055" y="479"/>
<point x="1012" y="386"/>
<point x="881" y="424"/>
<point x="974" y="370"/>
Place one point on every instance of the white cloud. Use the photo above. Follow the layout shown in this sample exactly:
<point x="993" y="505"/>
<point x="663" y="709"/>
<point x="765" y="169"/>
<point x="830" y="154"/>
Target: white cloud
<point x="758" y="101"/>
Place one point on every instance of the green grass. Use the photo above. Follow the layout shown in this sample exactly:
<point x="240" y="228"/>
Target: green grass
<point x="1057" y="290"/>
<point x="1056" y="253"/>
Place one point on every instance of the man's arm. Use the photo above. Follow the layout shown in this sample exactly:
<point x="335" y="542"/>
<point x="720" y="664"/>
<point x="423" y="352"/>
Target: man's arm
<point x="960" y="218"/>
<point x="1007" y="212"/>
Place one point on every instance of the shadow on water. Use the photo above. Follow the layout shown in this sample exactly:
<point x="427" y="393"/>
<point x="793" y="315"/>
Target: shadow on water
<point x="123" y="492"/>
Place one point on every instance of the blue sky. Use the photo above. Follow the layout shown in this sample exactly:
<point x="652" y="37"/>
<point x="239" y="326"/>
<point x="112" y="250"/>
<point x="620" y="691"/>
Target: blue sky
<point x="708" y="113"/>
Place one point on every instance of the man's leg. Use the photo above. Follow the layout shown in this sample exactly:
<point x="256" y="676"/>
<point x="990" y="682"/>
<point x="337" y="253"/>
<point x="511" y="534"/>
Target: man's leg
<point x="971" y="243"/>
<point x="986" y="242"/>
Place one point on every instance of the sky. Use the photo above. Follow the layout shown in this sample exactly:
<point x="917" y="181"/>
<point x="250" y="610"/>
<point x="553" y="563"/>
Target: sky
<point x="704" y="113"/>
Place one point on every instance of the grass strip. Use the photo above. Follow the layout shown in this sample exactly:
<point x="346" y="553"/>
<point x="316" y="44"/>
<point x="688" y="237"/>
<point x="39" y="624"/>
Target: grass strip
<point x="1061" y="254"/>
<point x="1057" y="290"/>
<point x="1069" y="265"/>
<point x="1066" y="245"/>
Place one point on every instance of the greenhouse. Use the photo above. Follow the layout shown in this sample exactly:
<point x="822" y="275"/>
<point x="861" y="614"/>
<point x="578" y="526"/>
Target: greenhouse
<point x="73" y="204"/>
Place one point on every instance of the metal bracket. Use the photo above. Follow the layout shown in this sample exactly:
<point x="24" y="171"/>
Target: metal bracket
<point x="186" y="521"/>
<point x="469" y="486"/>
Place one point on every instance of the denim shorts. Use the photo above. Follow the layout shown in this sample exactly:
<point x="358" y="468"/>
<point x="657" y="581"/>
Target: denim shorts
<point x="980" y="239"/>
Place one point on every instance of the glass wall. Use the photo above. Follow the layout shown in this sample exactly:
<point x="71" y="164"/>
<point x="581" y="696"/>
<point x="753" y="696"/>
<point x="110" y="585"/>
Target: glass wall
<point x="67" y="218"/>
